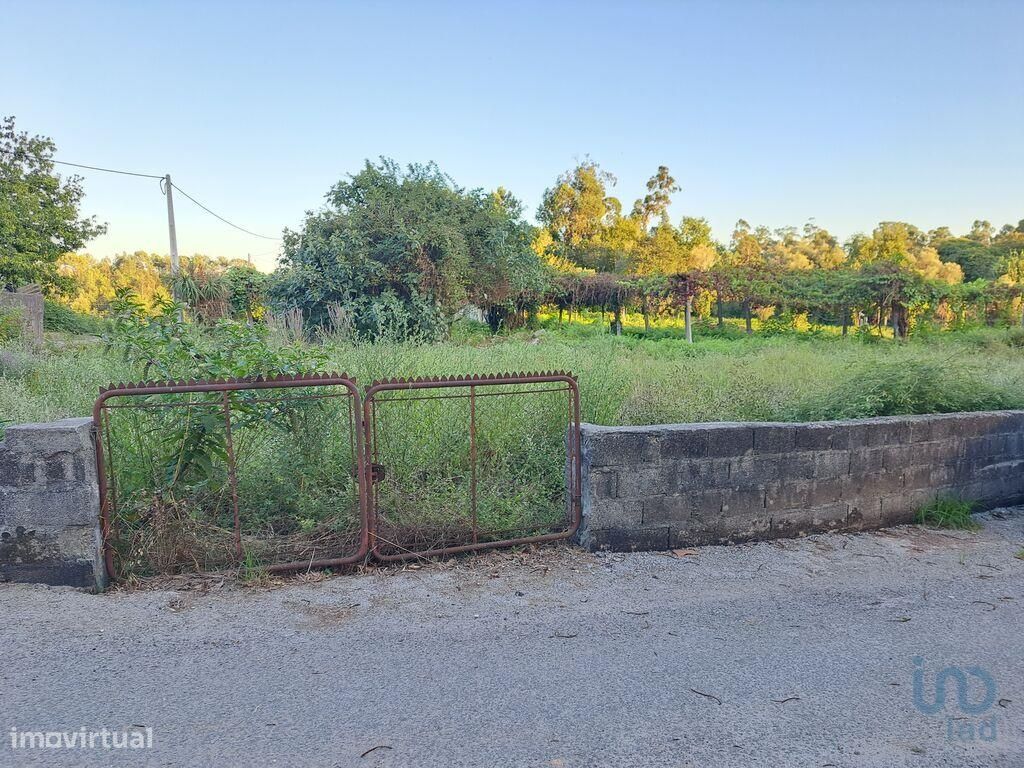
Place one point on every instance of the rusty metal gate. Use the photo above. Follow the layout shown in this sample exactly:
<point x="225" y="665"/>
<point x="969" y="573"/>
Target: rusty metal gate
<point x="301" y="472"/>
<point x="465" y="463"/>
<point x="167" y="449"/>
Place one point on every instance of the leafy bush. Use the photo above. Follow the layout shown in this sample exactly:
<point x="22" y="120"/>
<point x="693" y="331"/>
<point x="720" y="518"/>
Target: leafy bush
<point x="57" y="317"/>
<point x="174" y="491"/>
<point x="164" y="346"/>
<point x="948" y="512"/>
<point x="1015" y="338"/>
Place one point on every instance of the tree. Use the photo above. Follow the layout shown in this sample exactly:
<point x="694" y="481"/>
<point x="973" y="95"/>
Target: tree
<point x="1014" y="277"/>
<point x="401" y="250"/>
<point x="39" y="216"/>
<point x="576" y="208"/>
<point x="981" y="231"/>
<point x="654" y="204"/>
<point x="88" y="283"/>
<point x="747" y="265"/>
<point x="505" y="277"/>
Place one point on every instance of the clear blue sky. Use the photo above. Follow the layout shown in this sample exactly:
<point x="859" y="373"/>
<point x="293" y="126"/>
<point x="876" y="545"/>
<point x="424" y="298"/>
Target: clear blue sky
<point x="776" y="112"/>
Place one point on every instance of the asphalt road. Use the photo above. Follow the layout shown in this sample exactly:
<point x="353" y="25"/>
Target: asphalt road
<point x="795" y="653"/>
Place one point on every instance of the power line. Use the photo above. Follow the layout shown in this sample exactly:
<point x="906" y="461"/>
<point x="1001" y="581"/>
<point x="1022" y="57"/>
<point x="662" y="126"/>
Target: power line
<point x="109" y="170"/>
<point x="161" y="178"/>
<point x="96" y="167"/>
<point x="217" y="215"/>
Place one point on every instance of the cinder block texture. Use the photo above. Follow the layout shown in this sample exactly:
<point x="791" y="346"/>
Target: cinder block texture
<point x="50" y="505"/>
<point x="30" y="307"/>
<point x="685" y="484"/>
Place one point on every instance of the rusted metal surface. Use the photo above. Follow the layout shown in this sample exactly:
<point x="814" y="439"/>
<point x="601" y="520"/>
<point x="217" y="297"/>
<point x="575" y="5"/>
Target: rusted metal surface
<point x="279" y="397"/>
<point x="410" y="486"/>
<point x="483" y="477"/>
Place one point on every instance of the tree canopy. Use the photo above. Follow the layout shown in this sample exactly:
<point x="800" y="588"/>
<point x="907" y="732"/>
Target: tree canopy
<point x="399" y="250"/>
<point x="39" y="210"/>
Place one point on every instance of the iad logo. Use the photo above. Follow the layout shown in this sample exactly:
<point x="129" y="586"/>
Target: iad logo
<point x="975" y="695"/>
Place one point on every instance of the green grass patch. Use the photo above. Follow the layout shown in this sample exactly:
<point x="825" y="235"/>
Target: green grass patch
<point x="948" y="512"/>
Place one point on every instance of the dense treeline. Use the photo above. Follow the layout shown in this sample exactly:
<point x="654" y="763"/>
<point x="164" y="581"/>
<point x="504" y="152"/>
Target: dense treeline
<point x="403" y="251"/>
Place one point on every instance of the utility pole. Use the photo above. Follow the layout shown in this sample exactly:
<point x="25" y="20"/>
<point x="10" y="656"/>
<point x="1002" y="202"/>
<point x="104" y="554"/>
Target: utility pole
<point x="170" y="225"/>
<point x="175" y="265"/>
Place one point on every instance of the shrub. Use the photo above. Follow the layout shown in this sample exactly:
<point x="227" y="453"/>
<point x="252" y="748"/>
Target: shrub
<point x="1015" y="338"/>
<point x="57" y="317"/>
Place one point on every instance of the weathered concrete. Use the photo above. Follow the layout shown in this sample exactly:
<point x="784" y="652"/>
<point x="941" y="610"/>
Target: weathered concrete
<point x="49" y="505"/>
<point x="30" y="305"/>
<point x="677" y="485"/>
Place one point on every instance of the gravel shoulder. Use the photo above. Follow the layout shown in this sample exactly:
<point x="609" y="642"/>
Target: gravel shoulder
<point x="787" y="653"/>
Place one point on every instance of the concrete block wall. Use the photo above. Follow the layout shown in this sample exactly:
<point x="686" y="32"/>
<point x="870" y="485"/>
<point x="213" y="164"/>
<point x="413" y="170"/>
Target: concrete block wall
<point x="30" y="306"/>
<point x="49" y="505"/>
<point x="669" y="486"/>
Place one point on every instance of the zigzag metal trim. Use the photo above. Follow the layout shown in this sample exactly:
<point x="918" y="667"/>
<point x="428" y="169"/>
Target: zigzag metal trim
<point x="313" y="379"/>
<point x="483" y="378"/>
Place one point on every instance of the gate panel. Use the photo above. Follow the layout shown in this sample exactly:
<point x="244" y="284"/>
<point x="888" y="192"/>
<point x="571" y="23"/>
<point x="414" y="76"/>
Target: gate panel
<point x="468" y="463"/>
<point x="206" y="474"/>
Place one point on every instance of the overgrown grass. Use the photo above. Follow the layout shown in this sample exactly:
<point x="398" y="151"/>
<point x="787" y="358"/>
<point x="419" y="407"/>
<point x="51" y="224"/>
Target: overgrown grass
<point x="948" y="512"/>
<point x="624" y="380"/>
<point x="294" y="471"/>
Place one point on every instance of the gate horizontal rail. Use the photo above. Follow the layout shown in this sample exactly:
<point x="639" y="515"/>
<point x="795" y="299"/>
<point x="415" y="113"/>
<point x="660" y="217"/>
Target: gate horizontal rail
<point x="508" y="462"/>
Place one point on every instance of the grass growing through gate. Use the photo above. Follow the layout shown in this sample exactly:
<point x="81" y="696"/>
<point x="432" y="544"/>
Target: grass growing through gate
<point x="292" y="480"/>
<point x="948" y="512"/>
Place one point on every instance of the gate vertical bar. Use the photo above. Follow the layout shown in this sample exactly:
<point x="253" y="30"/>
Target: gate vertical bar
<point x="232" y="476"/>
<point x="472" y="461"/>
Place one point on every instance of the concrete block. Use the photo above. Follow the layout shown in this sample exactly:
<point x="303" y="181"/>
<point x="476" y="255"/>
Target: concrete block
<point x="831" y="464"/>
<point x="684" y="444"/>
<point x="938" y="451"/>
<point x="602" y="484"/>
<point x="863" y="513"/>
<point x="864" y="461"/>
<point x="872" y="433"/>
<point x="699" y="475"/>
<point x="604" y="446"/>
<point x="902" y="507"/>
<point x="680" y="508"/>
<point x="613" y="513"/>
<point x="756" y="472"/>
<point x="696" y="533"/>
<point x="49" y="505"/>
<point x="799" y="522"/>
<point x="16" y="472"/>
<point x="45" y="440"/>
<point x="804" y="494"/>
<point x="41" y="506"/>
<point x="625" y="540"/>
<point x="817" y="436"/>
<point x="744" y="502"/>
<point x="732" y="440"/>
<point x="921" y="429"/>
<point x="774" y="438"/>
<point x="876" y="484"/>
